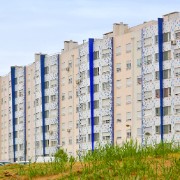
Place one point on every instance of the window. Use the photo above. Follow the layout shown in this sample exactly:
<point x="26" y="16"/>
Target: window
<point x="177" y="53"/>
<point x="63" y="81"/>
<point x="70" y="63"/>
<point x="148" y="59"/>
<point x="167" y="92"/>
<point x="148" y="95"/>
<point x="118" y="67"/>
<point x="96" y="71"/>
<point x="128" y="82"/>
<point x="96" y="121"/>
<point x="166" y="111"/>
<point x="138" y="96"/>
<point x="118" y="134"/>
<point x="156" y="57"/>
<point x="105" y="70"/>
<point x="166" y="129"/>
<point x="177" y="109"/>
<point x="128" y="65"/>
<point x="156" y="39"/>
<point x="70" y="110"/>
<point x="96" y="104"/>
<point x="47" y="114"/>
<point x="139" y="62"/>
<point x="16" y="81"/>
<point x="70" y="140"/>
<point x="46" y="84"/>
<point x="118" y="101"/>
<point x="105" y="103"/>
<point x="46" y="128"/>
<point x="96" y="55"/>
<point x="128" y="99"/>
<point x="166" y="74"/>
<point x="128" y="48"/>
<point x="166" y="55"/>
<point x="46" y="99"/>
<point x="105" y="86"/>
<point x="177" y="72"/>
<point x="46" y="70"/>
<point x="53" y="83"/>
<point x="96" y="137"/>
<point x="139" y="132"/>
<point x="106" y="53"/>
<point x="138" y="45"/>
<point x="147" y="41"/>
<point x="118" y="118"/>
<point x="166" y="37"/>
<point x="70" y="95"/>
<point x="177" y="90"/>
<point x="118" y="84"/>
<point x="106" y="119"/>
<point x="139" y="80"/>
<point x="16" y="107"/>
<point x="46" y="143"/>
<point x="16" y="94"/>
<point x="148" y="77"/>
<point x="118" y="50"/>
<point x="83" y="106"/>
<point x="177" y="127"/>
<point x="128" y="116"/>
<point x="70" y="80"/>
<point x="53" y="98"/>
<point x="177" y="35"/>
<point x="96" y="88"/>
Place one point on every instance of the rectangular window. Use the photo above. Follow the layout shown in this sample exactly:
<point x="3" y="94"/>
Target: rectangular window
<point x="96" y="55"/>
<point x="166" y="129"/>
<point x="166" y="37"/>
<point x="118" y="67"/>
<point x="46" y="70"/>
<point x="105" y="70"/>
<point x="46" y="84"/>
<point x="139" y="62"/>
<point x="96" y="71"/>
<point x="166" y="111"/>
<point x="118" y="118"/>
<point x="96" y="88"/>
<point x="177" y="53"/>
<point x="177" y="35"/>
<point x="128" y="116"/>
<point x="70" y="95"/>
<point x="148" y="60"/>
<point x="167" y="92"/>
<point x="105" y="103"/>
<point x="118" y="84"/>
<point x="128" y="48"/>
<point x="166" y="74"/>
<point x="106" y="119"/>
<point x="148" y="41"/>
<point x="118" y="101"/>
<point x="105" y="86"/>
<point x="128" y="65"/>
<point x="128" y="99"/>
<point x="166" y="55"/>
<point x="53" y="98"/>
<point x="70" y="80"/>
<point x="128" y="82"/>
<point x="177" y="109"/>
<point x="118" y="50"/>
<point x="47" y="114"/>
<point x="46" y="99"/>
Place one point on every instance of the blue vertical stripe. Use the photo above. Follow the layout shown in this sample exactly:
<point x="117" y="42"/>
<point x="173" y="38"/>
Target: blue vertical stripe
<point x="13" y="108"/>
<point x="42" y="59"/>
<point x="91" y="72"/>
<point x="160" y="46"/>
<point x="112" y="77"/>
<point x="58" y="99"/>
<point x="25" y="144"/>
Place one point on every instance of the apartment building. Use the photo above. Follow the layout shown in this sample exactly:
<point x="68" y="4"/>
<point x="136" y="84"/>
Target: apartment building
<point x="103" y="91"/>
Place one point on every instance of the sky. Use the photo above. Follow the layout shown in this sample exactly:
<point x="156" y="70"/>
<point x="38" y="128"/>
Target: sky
<point x="31" y="26"/>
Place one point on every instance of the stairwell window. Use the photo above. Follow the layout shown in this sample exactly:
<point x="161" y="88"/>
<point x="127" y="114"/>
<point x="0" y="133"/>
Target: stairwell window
<point x="47" y="114"/>
<point x="46" y="99"/>
<point x="46" y="84"/>
<point x="96" y="55"/>
<point x="96" y="71"/>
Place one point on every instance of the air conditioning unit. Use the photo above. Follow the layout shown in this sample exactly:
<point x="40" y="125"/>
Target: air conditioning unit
<point x="67" y="69"/>
<point x="173" y="42"/>
<point x="68" y="130"/>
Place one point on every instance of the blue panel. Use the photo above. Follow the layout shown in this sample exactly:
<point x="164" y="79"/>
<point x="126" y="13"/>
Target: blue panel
<point x="91" y="72"/>
<point x="25" y="144"/>
<point x="112" y="77"/>
<point x="58" y="100"/>
<point x="160" y="46"/>
<point x="13" y="108"/>
<point x="42" y="59"/>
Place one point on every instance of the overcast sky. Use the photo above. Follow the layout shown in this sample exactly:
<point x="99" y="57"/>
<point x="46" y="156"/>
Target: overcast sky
<point x="30" y="26"/>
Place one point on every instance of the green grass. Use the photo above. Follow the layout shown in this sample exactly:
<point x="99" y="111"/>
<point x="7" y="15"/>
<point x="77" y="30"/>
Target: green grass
<point x="130" y="161"/>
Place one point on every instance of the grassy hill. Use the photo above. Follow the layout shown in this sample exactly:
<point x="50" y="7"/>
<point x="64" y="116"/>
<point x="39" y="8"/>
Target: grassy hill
<point x="130" y="161"/>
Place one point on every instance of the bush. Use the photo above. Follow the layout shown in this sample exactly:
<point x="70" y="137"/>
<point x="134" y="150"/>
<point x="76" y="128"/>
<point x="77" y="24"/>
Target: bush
<point x="61" y="155"/>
